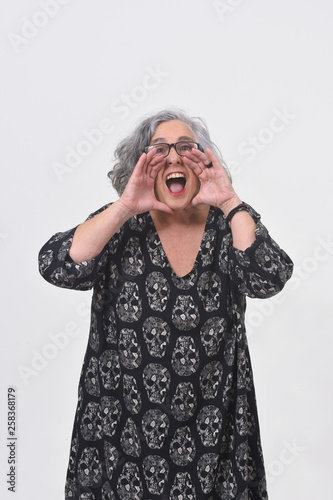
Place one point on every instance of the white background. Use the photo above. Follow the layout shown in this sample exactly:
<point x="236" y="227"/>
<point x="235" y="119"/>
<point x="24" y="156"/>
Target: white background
<point x="237" y="64"/>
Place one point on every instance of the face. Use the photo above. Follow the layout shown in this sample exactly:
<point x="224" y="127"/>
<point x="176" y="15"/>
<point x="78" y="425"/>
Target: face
<point x="175" y="183"/>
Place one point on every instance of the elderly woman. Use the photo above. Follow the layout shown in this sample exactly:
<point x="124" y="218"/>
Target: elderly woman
<point x="166" y="403"/>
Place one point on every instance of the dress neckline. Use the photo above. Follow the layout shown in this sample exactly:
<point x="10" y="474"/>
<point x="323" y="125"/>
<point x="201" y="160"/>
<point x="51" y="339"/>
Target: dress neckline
<point x="165" y="257"/>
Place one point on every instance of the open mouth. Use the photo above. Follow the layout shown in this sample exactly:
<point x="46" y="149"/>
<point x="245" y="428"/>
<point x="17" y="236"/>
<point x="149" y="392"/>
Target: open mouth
<point x="176" y="183"/>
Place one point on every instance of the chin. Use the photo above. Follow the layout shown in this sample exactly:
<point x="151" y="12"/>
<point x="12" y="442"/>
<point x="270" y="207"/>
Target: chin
<point x="178" y="204"/>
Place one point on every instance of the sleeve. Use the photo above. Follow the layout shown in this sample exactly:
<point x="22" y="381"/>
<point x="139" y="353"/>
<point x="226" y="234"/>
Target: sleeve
<point x="59" y="269"/>
<point x="261" y="270"/>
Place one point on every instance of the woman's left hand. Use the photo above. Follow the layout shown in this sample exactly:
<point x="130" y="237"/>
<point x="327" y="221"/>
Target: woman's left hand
<point x="215" y="186"/>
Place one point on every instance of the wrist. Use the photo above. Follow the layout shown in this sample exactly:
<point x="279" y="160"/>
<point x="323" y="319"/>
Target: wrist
<point x="123" y="212"/>
<point x="230" y="205"/>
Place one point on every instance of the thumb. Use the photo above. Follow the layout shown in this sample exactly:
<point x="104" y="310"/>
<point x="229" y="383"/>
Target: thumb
<point x="162" y="207"/>
<point x="195" y="201"/>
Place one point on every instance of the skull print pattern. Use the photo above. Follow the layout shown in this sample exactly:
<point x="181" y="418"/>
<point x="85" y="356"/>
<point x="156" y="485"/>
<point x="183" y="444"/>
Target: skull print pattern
<point x="166" y="403"/>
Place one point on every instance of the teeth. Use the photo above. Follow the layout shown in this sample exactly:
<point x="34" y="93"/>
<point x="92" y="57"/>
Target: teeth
<point x="175" y="176"/>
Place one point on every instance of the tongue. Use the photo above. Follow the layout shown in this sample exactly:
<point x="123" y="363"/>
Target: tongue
<point x="175" y="186"/>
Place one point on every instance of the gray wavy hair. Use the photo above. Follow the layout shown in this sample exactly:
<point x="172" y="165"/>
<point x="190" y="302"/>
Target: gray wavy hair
<point x="131" y="148"/>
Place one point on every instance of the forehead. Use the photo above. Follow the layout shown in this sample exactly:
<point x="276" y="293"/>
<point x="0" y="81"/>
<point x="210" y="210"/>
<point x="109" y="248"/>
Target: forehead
<point x="172" y="130"/>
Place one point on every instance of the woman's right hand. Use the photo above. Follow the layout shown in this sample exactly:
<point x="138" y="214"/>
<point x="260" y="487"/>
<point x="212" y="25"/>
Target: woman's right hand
<point x="139" y="194"/>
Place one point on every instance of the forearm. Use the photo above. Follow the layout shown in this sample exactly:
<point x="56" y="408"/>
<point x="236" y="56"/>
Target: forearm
<point x="242" y="225"/>
<point x="263" y="269"/>
<point x="92" y="235"/>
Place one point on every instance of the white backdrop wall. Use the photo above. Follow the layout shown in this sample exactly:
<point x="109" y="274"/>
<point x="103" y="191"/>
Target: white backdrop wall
<point x="76" y="77"/>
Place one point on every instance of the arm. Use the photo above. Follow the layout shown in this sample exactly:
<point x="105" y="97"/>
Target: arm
<point x="217" y="190"/>
<point x="258" y="267"/>
<point x="91" y="237"/>
<point x="261" y="270"/>
<point x="75" y="258"/>
<point x="57" y="267"/>
<point x="242" y="225"/>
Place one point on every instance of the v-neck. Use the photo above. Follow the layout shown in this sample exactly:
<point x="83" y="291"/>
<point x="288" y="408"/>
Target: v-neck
<point x="164" y="254"/>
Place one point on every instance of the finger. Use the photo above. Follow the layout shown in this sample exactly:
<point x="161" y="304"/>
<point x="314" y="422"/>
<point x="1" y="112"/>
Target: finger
<point x="208" y="158"/>
<point x="155" y="166"/>
<point x="219" y="166"/>
<point x="157" y="160"/>
<point x="211" y="156"/>
<point x="141" y="165"/>
<point x="151" y="158"/>
<point x="201" y="158"/>
<point x="194" y="165"/>
<point x="197" y="155"/>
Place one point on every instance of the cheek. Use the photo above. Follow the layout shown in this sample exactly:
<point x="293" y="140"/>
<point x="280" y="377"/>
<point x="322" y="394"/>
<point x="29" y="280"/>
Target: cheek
<point x="195" y="183"/>
<point x="158" y="185"/>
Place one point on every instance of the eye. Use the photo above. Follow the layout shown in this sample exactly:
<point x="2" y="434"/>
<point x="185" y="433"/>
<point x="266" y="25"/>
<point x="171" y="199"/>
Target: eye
<point x="161" y="149"/>
<point x="185" y="146"/>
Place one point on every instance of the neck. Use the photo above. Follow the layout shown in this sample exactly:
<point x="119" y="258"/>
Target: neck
<point x="194" y="215"/>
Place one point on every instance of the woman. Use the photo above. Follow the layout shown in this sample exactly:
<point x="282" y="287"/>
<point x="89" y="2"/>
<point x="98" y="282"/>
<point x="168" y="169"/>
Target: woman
<point x="166" y="399"/>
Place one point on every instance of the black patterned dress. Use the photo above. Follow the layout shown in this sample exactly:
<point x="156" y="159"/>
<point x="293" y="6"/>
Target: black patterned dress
<point x="166" y="406"/>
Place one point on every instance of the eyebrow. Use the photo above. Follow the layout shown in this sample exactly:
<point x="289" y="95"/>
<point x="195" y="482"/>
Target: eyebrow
<point x="181" y="138"/>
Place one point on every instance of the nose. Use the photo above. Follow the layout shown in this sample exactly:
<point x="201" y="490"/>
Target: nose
<point x="173" y="157"/>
